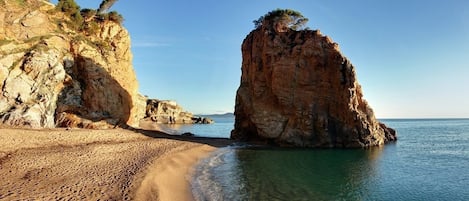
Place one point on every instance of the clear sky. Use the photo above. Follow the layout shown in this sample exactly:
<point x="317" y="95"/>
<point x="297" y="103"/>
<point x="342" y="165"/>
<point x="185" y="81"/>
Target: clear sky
<point x="411" y="56"/>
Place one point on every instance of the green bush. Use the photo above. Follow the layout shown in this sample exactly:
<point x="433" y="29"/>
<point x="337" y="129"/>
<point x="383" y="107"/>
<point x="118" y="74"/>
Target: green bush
<point x="88" y="13"/>
<point x="68" y="6"/>
<point x="87" y="19"/>
<point x="72" y="10"/>
<point x="91" y="27"/>
<point x="116" y="17"/>
<point x="112" y="16"/>
<point x="77" y="19"/>
<point x="285" y="18"/>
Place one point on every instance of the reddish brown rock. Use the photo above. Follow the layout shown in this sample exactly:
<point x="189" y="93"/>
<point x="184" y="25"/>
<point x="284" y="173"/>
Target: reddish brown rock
<point x="297" y="89"/>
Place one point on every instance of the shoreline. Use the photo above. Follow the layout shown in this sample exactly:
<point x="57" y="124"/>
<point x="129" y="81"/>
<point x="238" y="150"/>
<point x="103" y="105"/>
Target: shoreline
<point x="169" y="178"/>
<point x="114" y="164"/>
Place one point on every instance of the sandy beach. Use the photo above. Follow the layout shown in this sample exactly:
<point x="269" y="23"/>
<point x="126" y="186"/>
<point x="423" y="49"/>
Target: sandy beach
<point x="115" y="164"/>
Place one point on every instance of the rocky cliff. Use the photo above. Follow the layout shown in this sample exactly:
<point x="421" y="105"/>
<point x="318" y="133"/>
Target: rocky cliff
<point x="53" y="75"/>
<point x="169" y="112"/>
<point x="297" y="89"/>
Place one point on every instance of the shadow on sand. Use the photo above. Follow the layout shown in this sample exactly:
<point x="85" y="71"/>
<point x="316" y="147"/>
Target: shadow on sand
<point x="215" y="142"/>
<point x="94" y="96"/>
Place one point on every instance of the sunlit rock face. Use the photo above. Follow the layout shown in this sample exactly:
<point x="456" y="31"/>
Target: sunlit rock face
<point x="169" y="112"/>
<point x="297" y="89"/>
<point x="52" y="75"/>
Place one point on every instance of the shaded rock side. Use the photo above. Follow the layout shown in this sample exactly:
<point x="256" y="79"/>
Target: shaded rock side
<point x="297" y="89"/>
<point x="169" y="112"/>
<point x="52" y="75"/>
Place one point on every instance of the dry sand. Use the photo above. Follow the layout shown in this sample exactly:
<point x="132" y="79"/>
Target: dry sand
<point x="81" y="164"/>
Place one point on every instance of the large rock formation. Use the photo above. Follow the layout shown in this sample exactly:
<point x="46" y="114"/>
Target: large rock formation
<point x="169" y="112"/>
<point x="297" y="89"/>
<point x="53" y="75"/>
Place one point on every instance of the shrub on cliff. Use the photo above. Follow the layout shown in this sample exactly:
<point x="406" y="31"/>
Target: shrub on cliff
<point x="111" y="16"/>
<point x="68" y="6"/>
<point x="88" y="20"/>
<point x="72" y="10"/>
<point x="281" y="20"/>
<point x="88" y="14"/>
<point x="116" y="17"/>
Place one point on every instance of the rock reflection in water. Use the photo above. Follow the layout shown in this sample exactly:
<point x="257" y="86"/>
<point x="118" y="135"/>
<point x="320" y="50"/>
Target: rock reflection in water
<point x="294" y="174"/>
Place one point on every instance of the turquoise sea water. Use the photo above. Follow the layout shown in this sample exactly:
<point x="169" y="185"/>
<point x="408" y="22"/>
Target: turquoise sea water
<point x="430" y="161"/>
<point x="221" y="128"/>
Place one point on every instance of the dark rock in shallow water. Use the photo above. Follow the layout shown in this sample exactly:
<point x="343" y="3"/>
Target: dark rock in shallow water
<point x="297" y="89"/>
<point x="187" y="134"/>
<point x="202" y="120"/>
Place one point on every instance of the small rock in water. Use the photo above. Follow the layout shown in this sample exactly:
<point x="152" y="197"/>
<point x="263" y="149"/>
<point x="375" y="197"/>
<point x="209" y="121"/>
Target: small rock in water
<point x="187" y="134"/>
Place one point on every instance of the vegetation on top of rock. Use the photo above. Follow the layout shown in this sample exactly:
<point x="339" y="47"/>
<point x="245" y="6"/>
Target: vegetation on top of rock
<point x="282" y="20"/>
<point x="88" y="13"/>
<point x="68" y="6"/>
<point x="57" y="70"/>
<point x="72" y="10"/>
<point x="111" y="16"/>
<point x="86" y="19"/>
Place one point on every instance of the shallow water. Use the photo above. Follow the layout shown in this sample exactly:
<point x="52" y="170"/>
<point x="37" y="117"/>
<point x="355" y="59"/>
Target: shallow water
<point x="221" y="128"/>
<point x="430" y="161"/>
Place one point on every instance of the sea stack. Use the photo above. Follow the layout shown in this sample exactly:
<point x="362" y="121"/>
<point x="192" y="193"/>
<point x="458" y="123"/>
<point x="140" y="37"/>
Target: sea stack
<point x="297" y="89"/>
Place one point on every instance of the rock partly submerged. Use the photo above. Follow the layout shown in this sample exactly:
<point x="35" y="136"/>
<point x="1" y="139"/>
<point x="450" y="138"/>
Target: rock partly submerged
<point x="297" y="89"/>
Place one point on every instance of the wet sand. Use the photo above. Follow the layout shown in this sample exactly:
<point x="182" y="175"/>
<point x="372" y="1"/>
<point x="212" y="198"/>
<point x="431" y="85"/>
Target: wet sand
<point x="115" y="164"/>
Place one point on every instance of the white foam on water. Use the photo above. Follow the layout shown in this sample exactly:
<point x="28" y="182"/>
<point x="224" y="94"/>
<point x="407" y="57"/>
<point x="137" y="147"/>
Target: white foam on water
<point x="204" y="186"/>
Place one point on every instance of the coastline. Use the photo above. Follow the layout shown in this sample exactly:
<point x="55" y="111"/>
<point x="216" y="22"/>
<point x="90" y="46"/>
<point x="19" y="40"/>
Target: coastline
<point x="169" y="178"/>
<point x="114" y="164"/>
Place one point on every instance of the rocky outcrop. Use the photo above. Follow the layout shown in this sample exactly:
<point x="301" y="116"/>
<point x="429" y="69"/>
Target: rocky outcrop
<point x="169" y="112"/>
<point x="102" y="83"/>
<point x="52" y="75"/>
<point x="297" y="89"/>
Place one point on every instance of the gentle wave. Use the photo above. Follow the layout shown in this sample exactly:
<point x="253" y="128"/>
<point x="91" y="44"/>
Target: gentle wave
<point x="204" y="186"/>
<point x="429" y="162"/>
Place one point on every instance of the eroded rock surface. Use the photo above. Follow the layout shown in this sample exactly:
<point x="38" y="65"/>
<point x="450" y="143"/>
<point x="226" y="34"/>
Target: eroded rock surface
<point x="297" y="89"/>
<point x="169" y="112"/>
<point x="52" y="75"/>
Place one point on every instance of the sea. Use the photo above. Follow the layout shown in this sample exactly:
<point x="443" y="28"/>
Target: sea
<point x="430" y="161"/>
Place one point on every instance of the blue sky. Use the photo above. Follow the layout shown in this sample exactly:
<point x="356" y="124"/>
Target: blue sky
<point x="411" y="56"/>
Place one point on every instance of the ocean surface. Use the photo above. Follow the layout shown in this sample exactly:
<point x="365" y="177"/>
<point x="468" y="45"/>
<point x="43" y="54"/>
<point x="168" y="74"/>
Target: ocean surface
<point x="430" y="161"/>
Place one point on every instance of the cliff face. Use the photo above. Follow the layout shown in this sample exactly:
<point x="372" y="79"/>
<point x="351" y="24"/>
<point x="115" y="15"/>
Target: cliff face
<point x="297" y="89"/>
<point x="52" y="75"/>
<point x="169" y="112"/>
